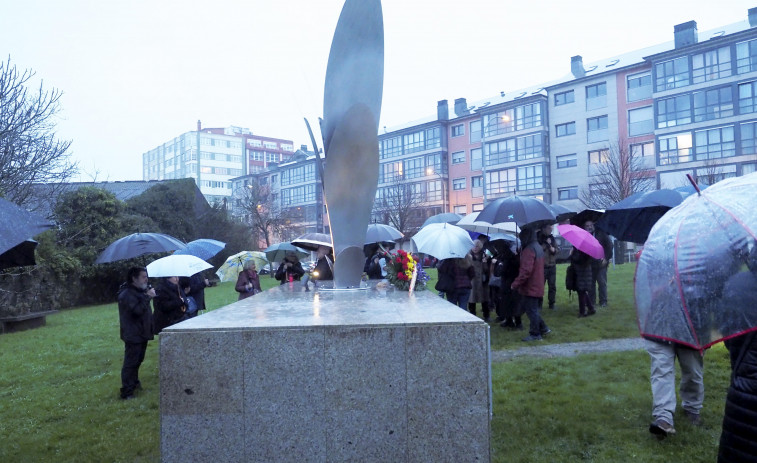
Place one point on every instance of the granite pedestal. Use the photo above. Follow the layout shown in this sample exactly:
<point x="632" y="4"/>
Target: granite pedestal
<point x="327" y="376"/>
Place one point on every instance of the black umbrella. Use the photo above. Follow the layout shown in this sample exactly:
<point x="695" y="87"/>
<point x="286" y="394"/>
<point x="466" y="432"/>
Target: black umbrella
<point x="17" y="225"/>
<point x="587" y="214"/>
<point x="18" y="256"/>
<point x="561" y="212"/>
<point x="311" y="241"/>
<point x="632" y="218"/>
<point x="138" y="244"/>
<point x="522" y="210"/>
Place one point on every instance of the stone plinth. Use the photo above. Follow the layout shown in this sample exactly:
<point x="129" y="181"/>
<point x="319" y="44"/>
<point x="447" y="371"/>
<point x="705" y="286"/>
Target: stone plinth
<point x="327" y="376"/>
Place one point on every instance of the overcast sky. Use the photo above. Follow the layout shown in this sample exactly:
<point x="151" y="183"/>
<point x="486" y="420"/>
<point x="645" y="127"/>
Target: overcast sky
<point x="136" y="73"/>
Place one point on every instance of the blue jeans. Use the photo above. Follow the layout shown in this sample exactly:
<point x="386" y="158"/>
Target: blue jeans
<point x="459" y="297"/>
<point x="531" y="306"/>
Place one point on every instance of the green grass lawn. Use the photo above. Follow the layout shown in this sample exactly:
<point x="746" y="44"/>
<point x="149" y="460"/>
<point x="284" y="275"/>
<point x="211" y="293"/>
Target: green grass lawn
<point x="59" y="392"/>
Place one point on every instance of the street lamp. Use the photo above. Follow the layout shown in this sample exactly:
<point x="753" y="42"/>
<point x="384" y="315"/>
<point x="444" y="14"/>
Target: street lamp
<point x="503" y="118"/>
<point x="430" y="171"/>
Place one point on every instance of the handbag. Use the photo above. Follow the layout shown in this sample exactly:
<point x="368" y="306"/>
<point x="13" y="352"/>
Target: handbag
<point x="191" y="305"/>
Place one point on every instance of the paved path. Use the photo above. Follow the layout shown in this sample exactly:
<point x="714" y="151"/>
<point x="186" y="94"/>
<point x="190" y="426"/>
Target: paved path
<point x="570" y="349"/>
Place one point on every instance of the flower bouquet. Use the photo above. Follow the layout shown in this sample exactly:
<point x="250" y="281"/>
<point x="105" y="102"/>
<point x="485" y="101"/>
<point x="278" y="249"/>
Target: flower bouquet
<point x="399" y="271"/>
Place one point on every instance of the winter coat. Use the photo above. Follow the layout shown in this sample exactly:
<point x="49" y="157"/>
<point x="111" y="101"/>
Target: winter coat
<point x="373" y="269"/>
<point x="738" y="440"/>
<point x="296" y="271"/>
<point x="462" y="274"/>
<point x="135" y="314"/>
<point x="582" y="263"/>
<point x="550" y="258"/>
<point x="606" y="243"/>
<point x="196" y="284"/>
<point x="530" y="280"/>
<point x="247" y="276"/>
<point x="170" y="305"/>
<point x="324" y="269"/>
<point x="480" y="281"/>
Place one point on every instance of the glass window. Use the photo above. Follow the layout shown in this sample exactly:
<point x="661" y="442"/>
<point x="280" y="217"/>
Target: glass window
<point x="499" y="123"/>
<point x="564" y="98"/>
<point x="674" y="111"/>
<point x="433" y="138"/>
<point x="596" y="123"/>
<point x="567" y="160"/>
<point x="462" y="210"/>
<point x="570" y="192"/>
<point x="529" y="147"/>
<point x="642" y="149"/>
<point x="458" y="130"/>
<point x="478" y="207"/>
<point x="749" y="138"/>
<point x="748" y="98"/>
<point x="746" y="56"/>
<point x="711" y="65"/>
<point x="413" y="142"/>
<point x="528" y="116"/>
<point x="714" y="143"/>
<point x="640" y="121"/>
<point x="414" y="168"/>
<point x="638" y="86"/>
<point x="391" y="147"/>
<point x="390" y="171"/>
<point x="458" y="183"/>
<point x="672" y="74"/>
<point x="563" y="130"/>
<point x="713" y="104"/>
<point x="531" y="177"/>
<point x="475" y="159"/>
<point x="500" y="152"/>
<point x="599" y="156"/>
<point x="475" y="182"/>
<point x="596" y="96"/>
<point x="674" y="149"/>
<point x="501" y="181"/>
<point x="458" y="157"/>
<point x="433" y="190"/>
<point x="434" y="163"/>
<point x="475" y="131"/>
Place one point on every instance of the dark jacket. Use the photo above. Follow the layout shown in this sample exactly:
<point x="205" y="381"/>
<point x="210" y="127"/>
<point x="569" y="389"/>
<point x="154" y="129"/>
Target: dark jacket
<point x="461" y="274"/>
<point x="296" y="270"/>
<point x="324" y="269"/>
<point x="135" y="314"/>
<point x="372" y="268"/>
<point x="550" y="258"/>
<point x="604" y="240"/>
<point x="530" y="280"/>
<point x="582" y="263"/>
<point x="738" y="440"/>
<point x="247" y="276"/>
<point x="196" y="285"/>
<point x="169" y="304"/>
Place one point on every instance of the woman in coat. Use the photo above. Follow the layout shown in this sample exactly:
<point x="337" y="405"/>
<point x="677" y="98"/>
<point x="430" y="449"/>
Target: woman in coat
<point x="480" y="281"/>
<point x="582" y="264"/>
<point x="169" y="304"/>
<point x="290" y="269"/>
<point x="460" y="272"/>
<point x="248" y="283"/>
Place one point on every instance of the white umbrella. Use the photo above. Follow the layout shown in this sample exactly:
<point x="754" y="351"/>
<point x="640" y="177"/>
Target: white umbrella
<point x="443" y="241"/>
<point x="177" y="265"/>
<point x="380" y="233"/>
<point x="470" y="223"/>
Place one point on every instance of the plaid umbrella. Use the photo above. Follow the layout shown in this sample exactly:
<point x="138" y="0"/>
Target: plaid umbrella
<point x="230" y="269"/>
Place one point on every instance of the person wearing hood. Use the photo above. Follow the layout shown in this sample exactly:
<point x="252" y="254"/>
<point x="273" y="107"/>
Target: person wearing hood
<point x="290" y="269"/>
<point x="170" y="304"/>
<point x="530" y="284"/>
<point x="135" y="317"/>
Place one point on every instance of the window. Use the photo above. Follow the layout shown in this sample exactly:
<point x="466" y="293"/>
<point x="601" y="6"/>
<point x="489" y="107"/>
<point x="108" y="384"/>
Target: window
<point x="640" y="121"/>
<point x="272" y="157"/>
<point x="563" y="130"/>
<point x="529" y="147"/>
<point x="478" y="207"/>
<point x="642" y="149"/>
<point x="599" y="156"/>
<point x="528" y="116"/>
<point x="458" y="183"/>
<point x="414" y="168"/>
<point x="475" y="182"/>
<point x="462" y="210"/>
<point x="499" y="123"/>
<point x="391" y="147"/>
<point x="748" y="98"/>
<point x="746" y="56"/>
<point x="413" y="142"/>
<point x="714" y="143"/>
<point x="475" y="159"/>
<point x="501" y="181"/>
<point x="567" y="160"/>
<point x="711" y="65"/>
<point x="433" y="190"/>
<point x="433" y="138"/>
<point x="434" y="163"/>
<point x="570" y="192"/>
<point x="500" y="152"/>
<point x="749" y="138"/>
<point x="596" y="129"/>
<point x="458" y="130"/>
<point x="638" y="86"/>
<point x="713" y="104"/>
<point x="673" y="111"/>
<point x="390" y="171"/>
<point x="256" y="155"/>
<point x="458" y="157"/>
<point x="475" y="131"/>
<point x="674" y="149"/>
<point x="672" y="74"/>
<point x="564" y="98"/>
<point x="531" y="177"/>
<point x="596" y="96"/>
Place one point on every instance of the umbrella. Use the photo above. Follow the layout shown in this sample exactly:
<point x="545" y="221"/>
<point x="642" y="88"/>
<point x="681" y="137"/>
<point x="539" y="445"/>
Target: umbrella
<point x="203" y="248"/>
<point x="311" y="241"/>
<point x="19" y="255"/>
<point x="691" y="263"/>
<point x="561" y="212"/>
<point x="522" y="210"/>
<point x="230" y="269"/>
<point x="277" y="252"/>
<point x="17" y="225"/>
<point x="444" y="217"/>
<point x="582" y="240"/>
<point x="587" y="214"/>
<point x="505" y="237"/>
<point x="380" y="233"/>
<point x="138" y="244"/>
<point x="632" y="218"/>
<point x="177" y="265"/>
<point x="471" y="223"/>
<point x="443" y="241"/>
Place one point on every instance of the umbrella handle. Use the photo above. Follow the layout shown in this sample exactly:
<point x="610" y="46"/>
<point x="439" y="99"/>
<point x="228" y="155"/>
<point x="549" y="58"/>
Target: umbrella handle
<point x="693" y="182"/>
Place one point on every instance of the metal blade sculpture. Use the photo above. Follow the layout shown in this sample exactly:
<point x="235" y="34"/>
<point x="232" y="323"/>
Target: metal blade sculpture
<point x="351" y="107"/>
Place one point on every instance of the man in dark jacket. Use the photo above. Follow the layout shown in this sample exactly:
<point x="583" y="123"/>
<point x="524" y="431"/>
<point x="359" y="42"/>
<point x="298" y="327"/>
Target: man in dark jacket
<point x="136" y="321"/>
<point x="599" y="266"/>
<point x="196" y="285"/>
<point x="550" y="248"/>
<point x="530" y="283"/>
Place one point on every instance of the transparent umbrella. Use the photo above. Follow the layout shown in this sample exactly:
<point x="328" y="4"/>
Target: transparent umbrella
<point x="443" y="241"/>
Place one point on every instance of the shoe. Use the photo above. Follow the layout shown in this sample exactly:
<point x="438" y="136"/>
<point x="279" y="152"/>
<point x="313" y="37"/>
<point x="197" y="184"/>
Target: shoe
<point x="518" y="328"/>
<point x="546" y="332"/>
<point x="551" y="307"/>
<point x="499" y="320"/>
<point x="531" y="337"/>
<point x="694" y="418"/>
<point x="590" y="313"/>
<point x="128" y="397"/>
<point x="582" y="315"/>
<point x="507" y="324"/>
<point x="661" y="428"/>
<point x="138" y="387"/>
<point x="487" y="319"/>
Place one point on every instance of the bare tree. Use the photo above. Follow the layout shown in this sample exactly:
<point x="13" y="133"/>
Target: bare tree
<point x="620" y="172"/>
<point x="401" y="204"/>
<point x="711" y="173"/>
<point x="29" y="149"/>
<point x="260" y="209"/>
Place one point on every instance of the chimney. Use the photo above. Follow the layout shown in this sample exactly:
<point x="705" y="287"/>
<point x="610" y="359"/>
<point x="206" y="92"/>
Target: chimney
<point x="442" y="110"/>
<point x="199" y="126"/>
<point x="461" y="107"/>
<point x="577" y="66"/>
<point x="685" y="34"/>
<point x="304" y="148"/>
<point x="752" y="17"/>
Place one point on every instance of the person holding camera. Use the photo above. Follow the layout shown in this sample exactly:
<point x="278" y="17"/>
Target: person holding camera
<point x="550" y="248"/>
<point x="136" y="323"/>
<point x="290" y="269"/>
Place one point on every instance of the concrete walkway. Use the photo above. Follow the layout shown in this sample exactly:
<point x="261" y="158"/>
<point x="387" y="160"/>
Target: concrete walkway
<point x="570" y="349"/>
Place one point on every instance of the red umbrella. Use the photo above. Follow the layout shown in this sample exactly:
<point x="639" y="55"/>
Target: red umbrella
<point x="582" y="240"/>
